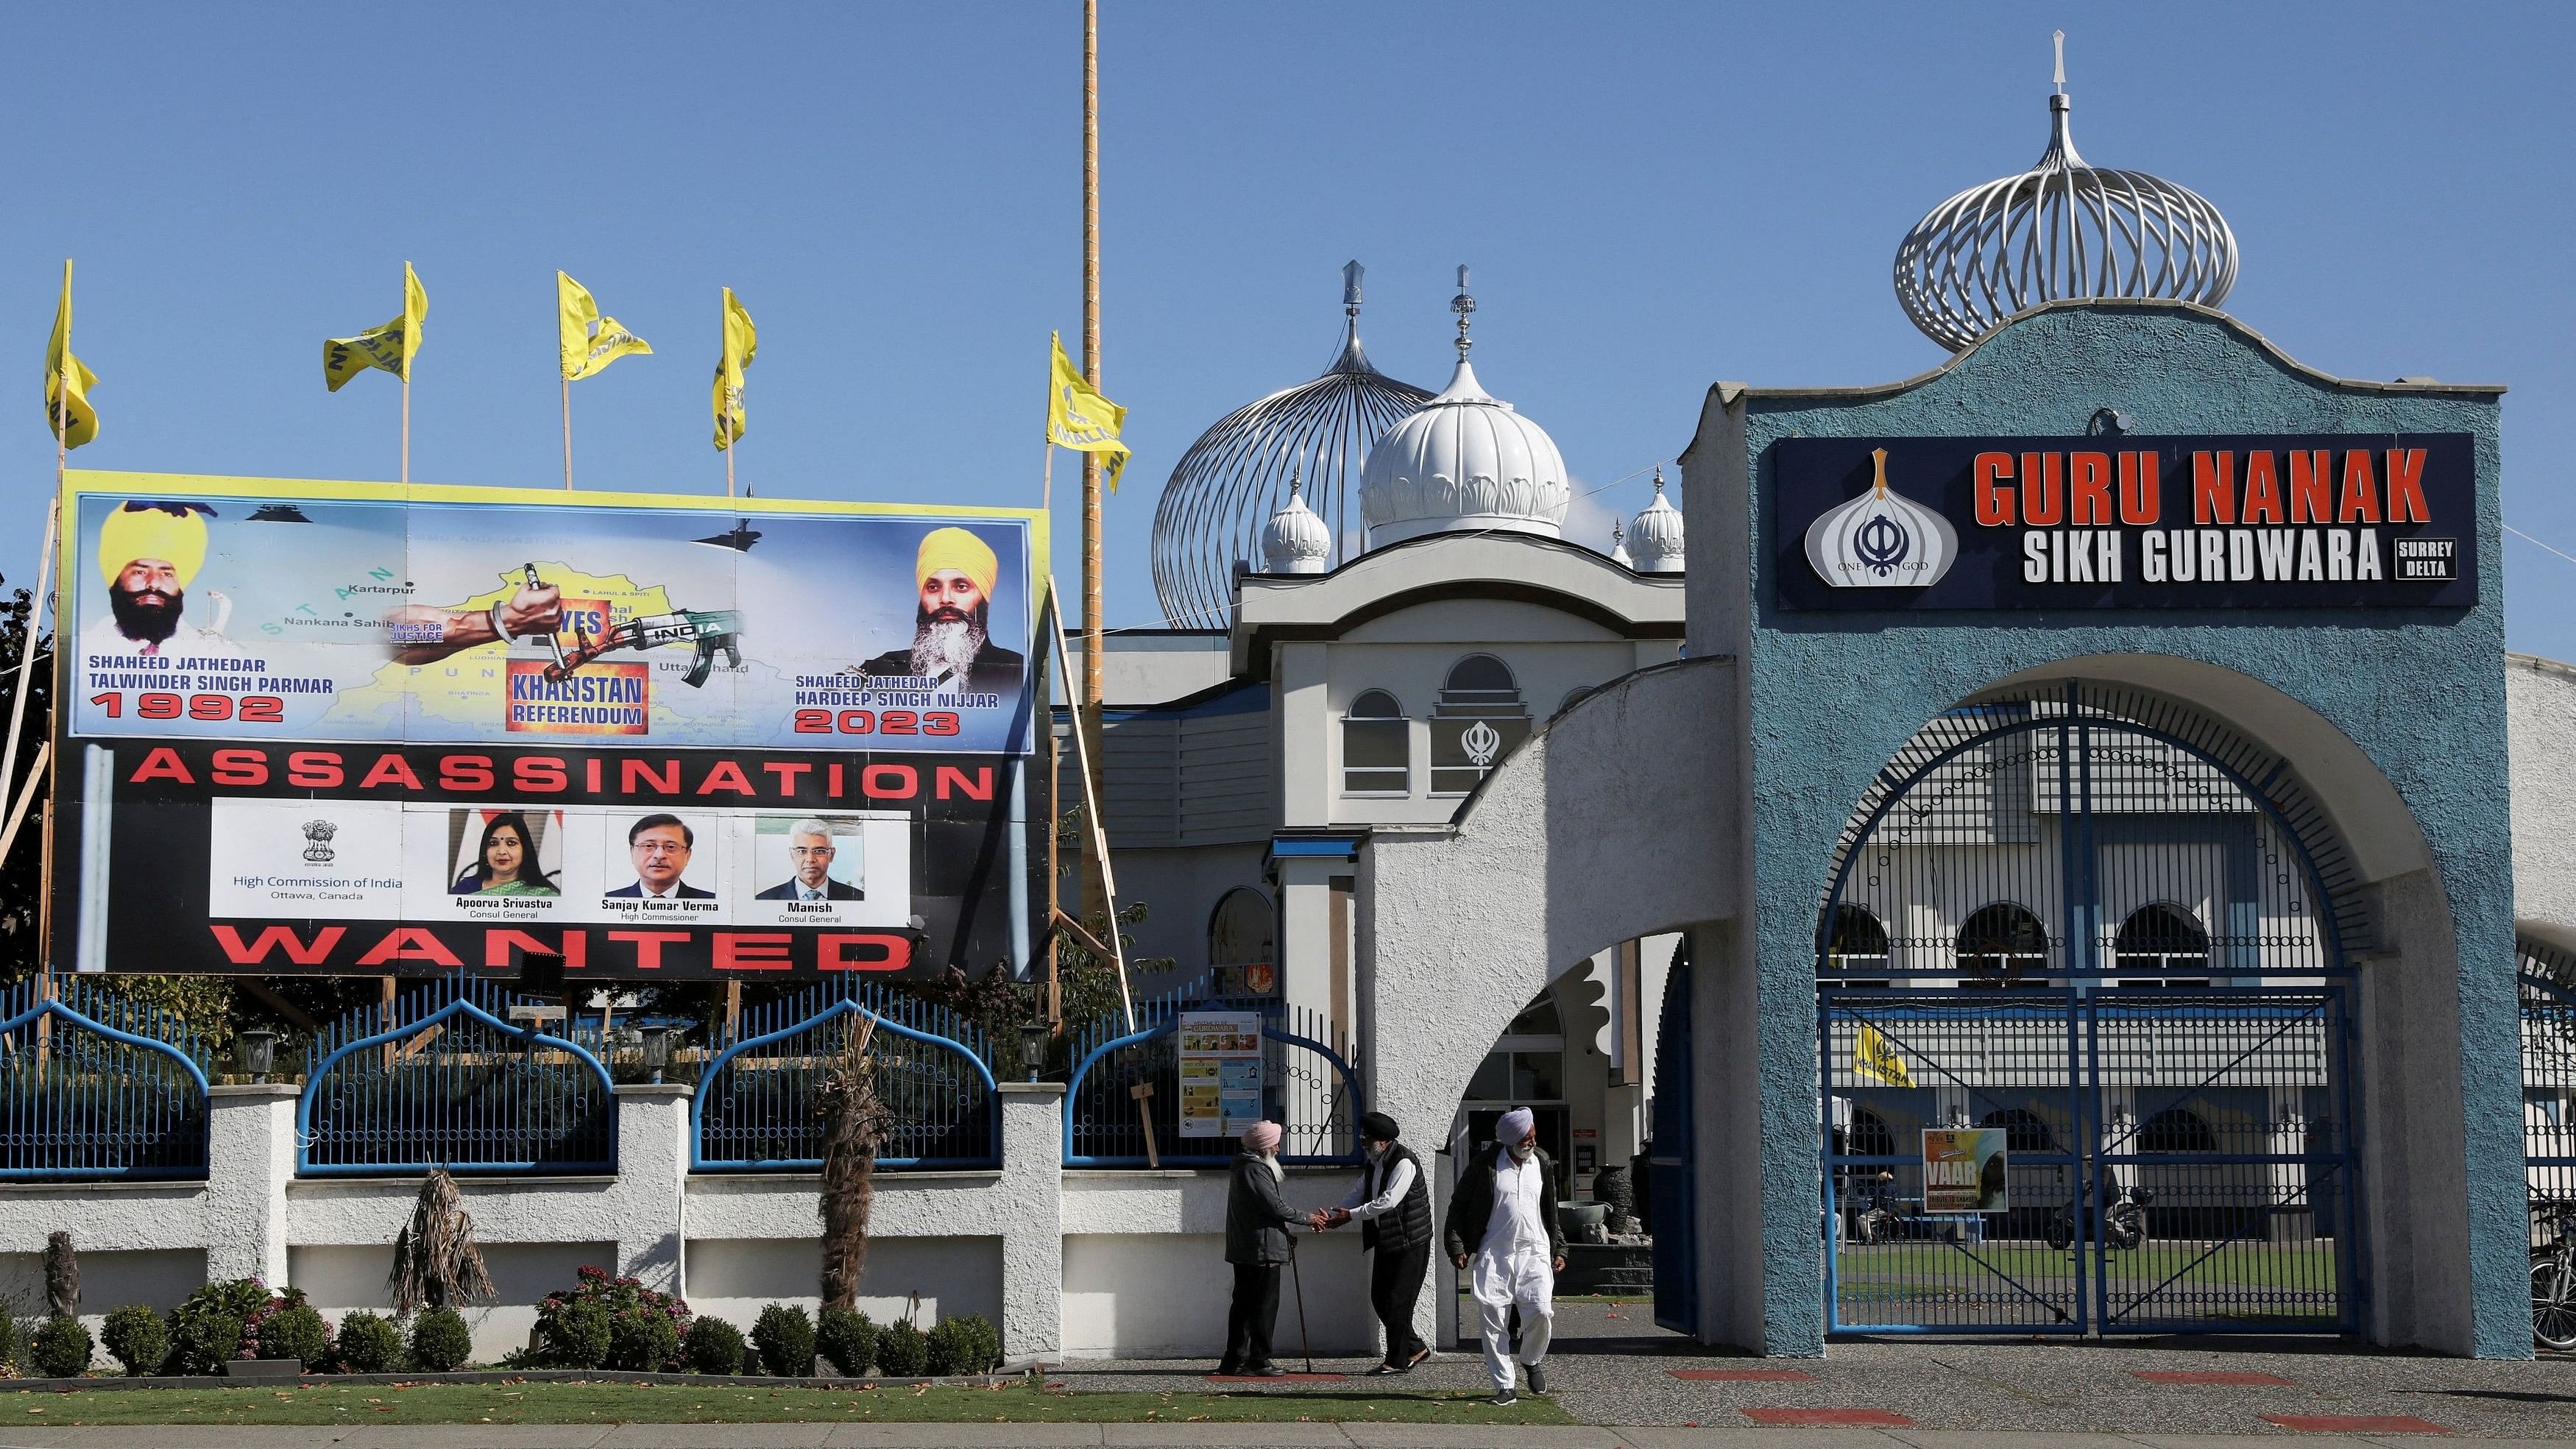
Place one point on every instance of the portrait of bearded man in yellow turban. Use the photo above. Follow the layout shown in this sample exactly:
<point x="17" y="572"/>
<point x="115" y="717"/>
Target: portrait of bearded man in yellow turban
<point x="148" y="553"/>
<point x="951" y="645"/>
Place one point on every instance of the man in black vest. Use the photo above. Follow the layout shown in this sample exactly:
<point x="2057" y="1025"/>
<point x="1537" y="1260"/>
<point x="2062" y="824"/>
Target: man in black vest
<point x="1392" y="1205"/>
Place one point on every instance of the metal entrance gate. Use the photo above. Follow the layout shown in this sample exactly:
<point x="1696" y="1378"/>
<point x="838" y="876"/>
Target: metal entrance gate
<point x="2089" y="923"/>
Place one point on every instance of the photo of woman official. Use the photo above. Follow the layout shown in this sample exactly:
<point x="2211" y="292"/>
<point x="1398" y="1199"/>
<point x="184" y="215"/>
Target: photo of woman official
<point x="505" y="863"/>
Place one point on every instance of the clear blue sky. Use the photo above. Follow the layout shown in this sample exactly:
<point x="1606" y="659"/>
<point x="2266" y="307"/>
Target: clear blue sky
<point x="1652" y="198"/>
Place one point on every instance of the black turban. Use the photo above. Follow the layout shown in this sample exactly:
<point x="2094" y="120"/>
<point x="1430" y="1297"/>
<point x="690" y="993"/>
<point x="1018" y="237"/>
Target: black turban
<point x="1377" y="1127"/>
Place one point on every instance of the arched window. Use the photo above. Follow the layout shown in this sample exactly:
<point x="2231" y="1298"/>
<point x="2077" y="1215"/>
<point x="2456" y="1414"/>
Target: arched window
<point x="2003" y="945"/>
<point x="2177" y="1129"/>
<point x="1239" y="930"/>
<point x="1870" y="1135"/>
<point x="1477" y="720"/>
<point x="1858" y="943"/>
<point x="2161" y="938"/>
<point x="2024" y="1130"/>
<point x="1377" y="746"/>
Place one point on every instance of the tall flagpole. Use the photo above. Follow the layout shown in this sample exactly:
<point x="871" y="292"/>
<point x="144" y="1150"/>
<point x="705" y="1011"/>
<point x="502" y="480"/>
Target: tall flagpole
<point x="737" y="442"/>
<point x="567" y="402"/>
<point x="1088" y="719"/>
<point x="406" y="429"/>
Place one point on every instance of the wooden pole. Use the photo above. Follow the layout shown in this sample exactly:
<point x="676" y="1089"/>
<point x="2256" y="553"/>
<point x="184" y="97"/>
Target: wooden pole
<point x="406" y="426"/>
<point x="728" y="452"/>
<point x="567" y="415"/>
<point x="26" y="797"/>
<point x="1094" y="885"/>
<point x="27" y="651"/>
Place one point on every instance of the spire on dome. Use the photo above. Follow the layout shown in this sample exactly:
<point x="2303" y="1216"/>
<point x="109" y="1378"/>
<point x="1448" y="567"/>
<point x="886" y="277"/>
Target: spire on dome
<point x="1658" y="532"/>
<point x="1619" y="550"/>
<point x="1465" y="463"/>
<point x="1464" y="304"/>
<point x="2063" y="229"/>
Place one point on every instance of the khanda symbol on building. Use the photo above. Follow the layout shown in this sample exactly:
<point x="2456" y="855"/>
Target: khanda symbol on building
<point x="1881" y="540"/>
<point x="1482" y="742"/>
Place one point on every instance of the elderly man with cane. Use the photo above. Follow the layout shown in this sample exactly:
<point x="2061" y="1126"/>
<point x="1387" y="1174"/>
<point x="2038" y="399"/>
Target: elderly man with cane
<point x="1504" y="1217"/>
<point x="1257" y="1218"/>
<point x="1392" y="1205"/>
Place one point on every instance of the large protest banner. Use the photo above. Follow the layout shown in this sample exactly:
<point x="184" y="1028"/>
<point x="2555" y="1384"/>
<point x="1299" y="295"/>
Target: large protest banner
<point x="352" y="727"/>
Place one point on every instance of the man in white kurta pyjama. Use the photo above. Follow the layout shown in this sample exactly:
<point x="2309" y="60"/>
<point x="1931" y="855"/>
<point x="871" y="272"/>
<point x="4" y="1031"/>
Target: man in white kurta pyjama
<point x="1502" y="1229"/>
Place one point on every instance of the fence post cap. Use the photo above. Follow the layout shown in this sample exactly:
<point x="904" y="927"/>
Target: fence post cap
<point x="256" y="1089"/>
<point x="1030" y="1089"/>
<point x="655" y="1091"/>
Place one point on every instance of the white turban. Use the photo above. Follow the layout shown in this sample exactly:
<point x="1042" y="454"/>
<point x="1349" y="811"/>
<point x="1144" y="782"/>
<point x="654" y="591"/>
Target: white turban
<point x="1517" y="1124"/>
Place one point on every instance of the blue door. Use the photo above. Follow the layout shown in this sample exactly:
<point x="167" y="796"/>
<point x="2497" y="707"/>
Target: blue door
<point x="1672" y="1205"/>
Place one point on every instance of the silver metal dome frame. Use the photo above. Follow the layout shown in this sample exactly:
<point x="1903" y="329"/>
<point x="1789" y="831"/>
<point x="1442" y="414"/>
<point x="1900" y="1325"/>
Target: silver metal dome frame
<point x="1236" y="476"/>
<point x="2060" y="230"/>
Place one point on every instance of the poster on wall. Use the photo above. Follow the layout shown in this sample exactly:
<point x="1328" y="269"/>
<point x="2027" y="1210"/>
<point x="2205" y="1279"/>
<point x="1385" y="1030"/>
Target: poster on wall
<point x="2252" y="521"/>
<point x="1220" y="1055"/>
<point x="341" y="727"/>
<point x="1964" y="1170"/>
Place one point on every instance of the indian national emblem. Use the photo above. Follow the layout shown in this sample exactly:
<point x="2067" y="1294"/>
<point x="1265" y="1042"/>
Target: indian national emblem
<point x="317" y="841"/>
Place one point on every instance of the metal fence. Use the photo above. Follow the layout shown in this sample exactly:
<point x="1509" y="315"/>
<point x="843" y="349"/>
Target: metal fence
<point x="95" y="1087"/>
<point x="2548" y="1077"/>
<point x="444" y="1078"/>
<point x="1125" y="1079"/>
<point x="755" y="1108"/>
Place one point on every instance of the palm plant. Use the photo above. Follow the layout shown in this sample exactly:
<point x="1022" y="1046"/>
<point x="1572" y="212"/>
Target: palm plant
<point x="856" y="1121"/>
<point x="435" y="1260"/>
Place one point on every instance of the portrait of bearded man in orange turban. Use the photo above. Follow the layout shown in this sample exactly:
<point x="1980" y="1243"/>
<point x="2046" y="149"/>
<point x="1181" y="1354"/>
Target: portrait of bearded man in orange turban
<point x="951" y="644"/>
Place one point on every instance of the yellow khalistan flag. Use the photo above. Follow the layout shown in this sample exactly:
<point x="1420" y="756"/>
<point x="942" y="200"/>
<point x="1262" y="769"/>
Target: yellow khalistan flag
<point x="390" y="347"/>
<point x="1078" y="417"/>
<point x="67" y="382"/>
<point x="590" y="341"/>
<point x="741" y="340"/>
<point x="1874" y="1057"/>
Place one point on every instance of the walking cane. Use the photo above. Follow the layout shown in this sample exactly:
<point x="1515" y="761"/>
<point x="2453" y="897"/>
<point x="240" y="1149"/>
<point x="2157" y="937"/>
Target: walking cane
<point x="1298" y="1279"/>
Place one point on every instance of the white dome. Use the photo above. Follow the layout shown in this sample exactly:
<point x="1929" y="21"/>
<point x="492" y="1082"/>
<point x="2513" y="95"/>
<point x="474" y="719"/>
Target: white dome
<point x="1295" y="541"/>
<point x="1466" y="460"/>
<point x="1658" y="534"/>
<point x="1618" y="549"/>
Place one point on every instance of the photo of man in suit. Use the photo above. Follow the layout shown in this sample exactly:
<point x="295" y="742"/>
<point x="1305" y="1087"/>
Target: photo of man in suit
<point x="810" y="851"/>
<point x="660" y="846"/>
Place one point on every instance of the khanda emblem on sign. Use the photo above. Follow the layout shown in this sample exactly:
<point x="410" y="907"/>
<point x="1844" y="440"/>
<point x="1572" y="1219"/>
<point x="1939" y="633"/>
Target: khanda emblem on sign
<point x="1482" y="742"/>
<point x="1881" y="540"/>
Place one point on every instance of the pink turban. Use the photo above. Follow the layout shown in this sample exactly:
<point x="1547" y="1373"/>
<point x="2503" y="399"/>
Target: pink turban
<point x="1516" y="1124"/>
<point x="1262" y="1137"/>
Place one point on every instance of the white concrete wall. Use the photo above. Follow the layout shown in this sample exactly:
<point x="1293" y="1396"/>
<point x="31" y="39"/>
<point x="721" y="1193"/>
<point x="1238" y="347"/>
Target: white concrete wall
<point x="2540" y="738"/>
<point x="1140" y="1253"/>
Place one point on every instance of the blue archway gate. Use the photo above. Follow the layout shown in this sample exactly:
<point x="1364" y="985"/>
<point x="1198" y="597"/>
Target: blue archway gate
<point x="2099" y="931"/>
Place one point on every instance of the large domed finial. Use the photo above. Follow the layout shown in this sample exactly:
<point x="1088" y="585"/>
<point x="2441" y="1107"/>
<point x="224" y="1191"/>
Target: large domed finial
<point x="1295" y="541"/>
<point x="2063" y="229"/>
<point x="1619" y="549"/>
<point x="1658" y="532"/>
<point x="1237" y="477"/>
<point x="1465" y="306"/>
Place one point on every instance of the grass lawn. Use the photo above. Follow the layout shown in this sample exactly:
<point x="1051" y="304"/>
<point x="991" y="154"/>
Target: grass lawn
<point x="686" y="1403"/>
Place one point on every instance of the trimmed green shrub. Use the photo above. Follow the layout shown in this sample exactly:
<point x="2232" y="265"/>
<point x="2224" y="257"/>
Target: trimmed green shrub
<point x="138" y="1338"/>
<point x="785" y="1338"/>
<point x="206" y="1329"/>
<point x="847" y="1339"/>
<point x="963" y="1345"/>
<point x="715" y="1347"/>
<point x="643" y="1341"/>
<point x="576" y="1338"/>
<point x="297" y="1333"/>
<point x="200" y="1342"/>
<point x="61" y="1349"/>
<point x="440" y="1340"/>
<point x="902" y="1353"/>
<point x="369" y="1344"/>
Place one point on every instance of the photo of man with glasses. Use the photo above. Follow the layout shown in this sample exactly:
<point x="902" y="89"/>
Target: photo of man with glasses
<point x="660" y="846"/>
<point x="810" y="852"/>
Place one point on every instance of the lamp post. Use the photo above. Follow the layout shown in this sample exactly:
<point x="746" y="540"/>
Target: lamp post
<point x="1033" y="1047"/>
<point x="255" y="1052"/>
<point x="657" y="1050"/>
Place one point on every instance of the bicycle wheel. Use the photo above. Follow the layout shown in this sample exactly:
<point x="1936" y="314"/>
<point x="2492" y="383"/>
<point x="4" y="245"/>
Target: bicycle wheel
<point x="2553" y="1303"/>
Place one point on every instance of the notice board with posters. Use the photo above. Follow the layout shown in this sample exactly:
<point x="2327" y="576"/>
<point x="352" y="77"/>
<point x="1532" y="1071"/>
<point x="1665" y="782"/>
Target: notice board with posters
<point x="1220" y="1061"/>
<point x="1966" y="1170"/>
<point x="365" y="728"/>
<point x="2239" y="521"/>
